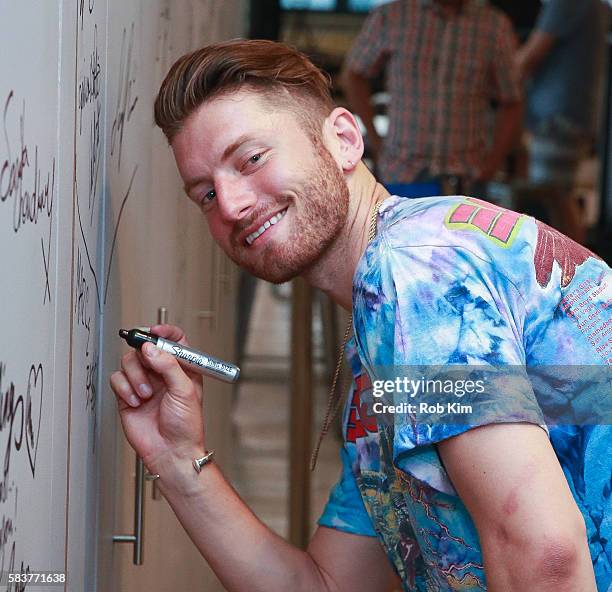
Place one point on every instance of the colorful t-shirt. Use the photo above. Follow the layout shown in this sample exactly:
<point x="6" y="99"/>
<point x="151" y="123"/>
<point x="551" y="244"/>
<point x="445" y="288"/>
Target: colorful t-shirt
<point x="457" y="282"/>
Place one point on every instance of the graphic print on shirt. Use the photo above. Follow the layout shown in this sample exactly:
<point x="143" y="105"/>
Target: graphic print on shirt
<point x="498" y="224"/>
<point x="425" y="528"/>
<point x="360" y="422"/>
<point x="554" y="246"/>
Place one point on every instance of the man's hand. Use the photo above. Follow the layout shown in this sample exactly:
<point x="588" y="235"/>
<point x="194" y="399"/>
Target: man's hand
<point x="159" y="402"/>
<point x="532" y="534"/>
<point x="165" y="427"/>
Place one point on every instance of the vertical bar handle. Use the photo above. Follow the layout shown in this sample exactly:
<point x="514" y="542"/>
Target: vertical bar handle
<point x="137" y="537"/>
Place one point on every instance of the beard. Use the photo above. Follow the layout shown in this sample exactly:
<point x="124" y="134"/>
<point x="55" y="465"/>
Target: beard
<point x="318" y="216"/>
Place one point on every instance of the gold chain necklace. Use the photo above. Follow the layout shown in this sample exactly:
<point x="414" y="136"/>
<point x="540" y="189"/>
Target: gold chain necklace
<point x="334" y="401"/>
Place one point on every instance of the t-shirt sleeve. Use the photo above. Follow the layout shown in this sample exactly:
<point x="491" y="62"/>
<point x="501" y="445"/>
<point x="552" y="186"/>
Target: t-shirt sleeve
<point x="370" y="50"/>
<point x="457" y="321"/>
<point x="345" y="510"/>
<point x="504" y="73"/>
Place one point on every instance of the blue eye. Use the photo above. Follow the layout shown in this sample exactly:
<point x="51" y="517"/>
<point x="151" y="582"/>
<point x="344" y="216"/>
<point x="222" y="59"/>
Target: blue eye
<point x="252" y="160"/>
<point x="209" y="196"/>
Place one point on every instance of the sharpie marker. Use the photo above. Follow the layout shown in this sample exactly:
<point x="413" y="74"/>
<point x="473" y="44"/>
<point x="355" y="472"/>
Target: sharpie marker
<point x="191" y="358"/>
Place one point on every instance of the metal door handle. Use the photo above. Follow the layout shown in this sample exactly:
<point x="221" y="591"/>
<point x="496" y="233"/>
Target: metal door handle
<point x="137" y="537"/>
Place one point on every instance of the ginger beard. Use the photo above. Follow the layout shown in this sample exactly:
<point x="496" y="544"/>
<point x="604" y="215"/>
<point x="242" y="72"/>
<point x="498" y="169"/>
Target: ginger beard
<point x="317" y="215"/>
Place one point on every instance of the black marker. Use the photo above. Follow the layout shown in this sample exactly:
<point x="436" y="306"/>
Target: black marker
<point x="193" y="359"/>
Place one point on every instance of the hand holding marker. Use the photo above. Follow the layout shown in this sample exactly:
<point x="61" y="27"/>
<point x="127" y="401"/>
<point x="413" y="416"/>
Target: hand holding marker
<point x="188" y="357"/>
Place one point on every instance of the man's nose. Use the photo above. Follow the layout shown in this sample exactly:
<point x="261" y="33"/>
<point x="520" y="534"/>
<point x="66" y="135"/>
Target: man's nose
<point x="236" y="199"/>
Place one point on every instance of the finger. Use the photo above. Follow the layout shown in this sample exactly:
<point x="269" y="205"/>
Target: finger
<point x="156" y="381"/>
<point x="171" y="332"/>
<point x="136" y="374"/>
<point x="126" y="397"/>
<point x="168" y="368"/>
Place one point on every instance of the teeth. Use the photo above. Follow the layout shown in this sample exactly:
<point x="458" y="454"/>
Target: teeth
<point x="271" y="222"/>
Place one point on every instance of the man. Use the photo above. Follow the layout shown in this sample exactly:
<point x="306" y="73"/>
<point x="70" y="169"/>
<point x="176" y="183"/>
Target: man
<point x="445" y="60"/>
<point x="276" y="170"/>
<point x="563" y="61"/>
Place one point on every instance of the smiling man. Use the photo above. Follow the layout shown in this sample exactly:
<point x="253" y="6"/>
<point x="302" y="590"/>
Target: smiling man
<point x="512" y="499"/>
<point x="262" y="217"/>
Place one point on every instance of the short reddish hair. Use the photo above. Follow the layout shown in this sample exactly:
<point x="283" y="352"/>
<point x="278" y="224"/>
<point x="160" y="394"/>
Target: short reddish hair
<point x="281" y="74"/>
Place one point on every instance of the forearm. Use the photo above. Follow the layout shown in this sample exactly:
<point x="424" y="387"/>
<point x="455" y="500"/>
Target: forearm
<point x="241" y="550"/>
<point x="531" y="55"/>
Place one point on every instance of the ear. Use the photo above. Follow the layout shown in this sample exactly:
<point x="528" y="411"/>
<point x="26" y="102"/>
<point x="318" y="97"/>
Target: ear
<point x="344" y="138"/>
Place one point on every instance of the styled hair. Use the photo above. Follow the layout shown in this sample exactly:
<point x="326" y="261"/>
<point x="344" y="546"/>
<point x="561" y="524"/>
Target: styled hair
<point x="283" y="76"/>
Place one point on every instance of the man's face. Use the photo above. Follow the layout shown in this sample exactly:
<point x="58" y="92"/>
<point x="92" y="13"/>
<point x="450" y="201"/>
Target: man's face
<point x="273" y="196"/>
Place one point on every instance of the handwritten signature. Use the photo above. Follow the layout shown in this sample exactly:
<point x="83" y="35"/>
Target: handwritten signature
<point x="126" y="103"/>
<point x="28" y="204"/>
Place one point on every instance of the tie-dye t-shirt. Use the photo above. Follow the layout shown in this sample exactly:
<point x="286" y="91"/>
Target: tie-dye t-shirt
<point x="457" y="281"/>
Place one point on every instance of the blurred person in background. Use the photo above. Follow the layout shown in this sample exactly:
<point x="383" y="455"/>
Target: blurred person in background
<point x="446" y="61"/>
<point x="562" y="62"/>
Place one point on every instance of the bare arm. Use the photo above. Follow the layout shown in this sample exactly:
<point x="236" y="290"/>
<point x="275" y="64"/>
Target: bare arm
<point x="532" y="534"/>
<point x="246" y="555"/>
<point x="166" y="430"/>
<point x="532" y="53"/>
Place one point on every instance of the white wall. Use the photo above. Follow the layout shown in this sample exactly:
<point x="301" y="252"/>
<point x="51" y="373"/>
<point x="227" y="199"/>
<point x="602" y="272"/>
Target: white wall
<point x="80" y="166"/>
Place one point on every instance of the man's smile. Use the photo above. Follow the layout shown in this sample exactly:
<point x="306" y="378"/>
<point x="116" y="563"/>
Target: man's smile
<point x="267" y="224"/>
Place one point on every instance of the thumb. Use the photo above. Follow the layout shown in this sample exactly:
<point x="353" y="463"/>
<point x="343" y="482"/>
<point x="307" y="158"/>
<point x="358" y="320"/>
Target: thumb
<point x="167" y="366"/>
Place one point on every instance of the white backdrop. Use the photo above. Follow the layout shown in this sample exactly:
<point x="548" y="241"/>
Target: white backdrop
<point x="77" y="82"/>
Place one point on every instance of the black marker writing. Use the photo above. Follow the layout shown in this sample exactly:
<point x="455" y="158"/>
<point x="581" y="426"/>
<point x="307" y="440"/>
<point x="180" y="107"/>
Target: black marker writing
<point x="95" y="145"/>
<point x="7" y="531"/>
<point x="24" y="569"/>
<point x="90" y="7"/>
<point x="89" y="84"/>
<point x="112" y="251"/>
<point x="89" y="263"/>
<point x="90" y="392"/>
<point x="21" y="415"/>
<point x="125" y="102"/>
<point x="81" y="301"/>
<point x="11" y="408"/>
<point x="33" y="413"/>
<point x="27" y="204"/>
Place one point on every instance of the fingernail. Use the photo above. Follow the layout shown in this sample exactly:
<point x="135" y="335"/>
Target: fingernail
<point x="152" y="351"/>
<point x="134" y="401"/>
<point x="145" y="389"/>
